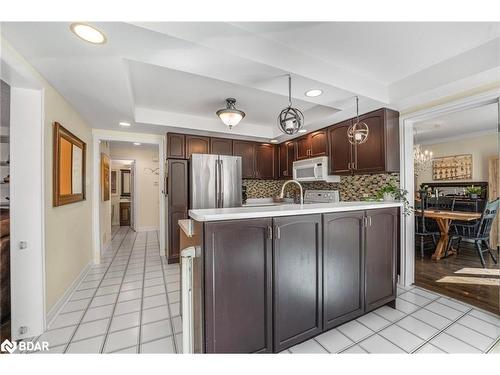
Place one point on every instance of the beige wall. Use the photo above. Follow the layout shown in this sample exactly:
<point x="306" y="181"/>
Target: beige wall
<point x="104" y="208"/>
<point x="68" y="229"/>
<point x="146" y="159"/>
<point x="481" y="149"/>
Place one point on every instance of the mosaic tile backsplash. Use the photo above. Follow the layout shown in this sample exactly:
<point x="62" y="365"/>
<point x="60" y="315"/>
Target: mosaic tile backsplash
<point x="351" y="188"/>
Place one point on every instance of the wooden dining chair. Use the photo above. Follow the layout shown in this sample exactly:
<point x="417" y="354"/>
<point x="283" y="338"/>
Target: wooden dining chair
<point x="478" y="231"/>
<point x="425" y="227"/>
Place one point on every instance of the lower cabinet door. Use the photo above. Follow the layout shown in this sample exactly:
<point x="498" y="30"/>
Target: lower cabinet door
<point x="380" y="259"/>
<point x="297" y="279"/>
<point x="343" y="268"/>
<point x="238" y="286"/>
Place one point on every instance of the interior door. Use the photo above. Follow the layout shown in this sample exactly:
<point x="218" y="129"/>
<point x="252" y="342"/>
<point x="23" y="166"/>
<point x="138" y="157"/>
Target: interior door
<point x="133" y="199"/>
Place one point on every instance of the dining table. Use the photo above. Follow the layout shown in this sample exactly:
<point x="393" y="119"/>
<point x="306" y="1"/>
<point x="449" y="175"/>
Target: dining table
<point x="443" y="219"/>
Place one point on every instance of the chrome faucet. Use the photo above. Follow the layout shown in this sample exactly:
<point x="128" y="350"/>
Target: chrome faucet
<point x="300" y="187"/>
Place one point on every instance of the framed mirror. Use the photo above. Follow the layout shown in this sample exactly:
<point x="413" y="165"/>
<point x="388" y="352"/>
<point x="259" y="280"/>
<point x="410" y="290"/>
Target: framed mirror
<point x="125" y="182"/>
<point x="69" y="154"/>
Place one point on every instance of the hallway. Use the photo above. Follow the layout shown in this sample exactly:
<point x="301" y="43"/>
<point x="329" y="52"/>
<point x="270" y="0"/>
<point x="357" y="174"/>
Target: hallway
<point x="127" y="304"/>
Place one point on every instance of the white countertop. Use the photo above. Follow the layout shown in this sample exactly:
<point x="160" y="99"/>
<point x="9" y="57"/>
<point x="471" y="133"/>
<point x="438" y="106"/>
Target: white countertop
<point x="216" y="214"/>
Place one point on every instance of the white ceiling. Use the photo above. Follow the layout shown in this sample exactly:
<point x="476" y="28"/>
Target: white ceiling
<point x="175" y="75"/>
<point x="459" y="125"/>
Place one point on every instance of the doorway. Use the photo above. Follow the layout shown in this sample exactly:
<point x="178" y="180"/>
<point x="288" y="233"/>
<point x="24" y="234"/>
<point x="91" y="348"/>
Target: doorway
<point x="454" y="180"/>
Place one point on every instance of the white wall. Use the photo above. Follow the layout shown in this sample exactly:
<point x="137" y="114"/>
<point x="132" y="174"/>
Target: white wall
<point x="147" y="183"/>
<point x="481" y="149"/>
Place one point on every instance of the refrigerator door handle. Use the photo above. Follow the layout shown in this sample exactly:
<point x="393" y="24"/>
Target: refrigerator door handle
<point x="217" y="196"/>
<point x="221" y="184"/>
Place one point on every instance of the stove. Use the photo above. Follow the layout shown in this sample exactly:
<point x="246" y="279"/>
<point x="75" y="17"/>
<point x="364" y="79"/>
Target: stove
<point x="321" y="196"/>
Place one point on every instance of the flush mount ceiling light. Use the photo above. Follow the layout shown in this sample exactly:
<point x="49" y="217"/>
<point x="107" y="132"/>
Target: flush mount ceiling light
<point x="302" y="131"/>
<point x="88" y="33"/>
<point x="137" y="144"/>
<point x="124" y="123"/>
<point x="290" y="120"/>
<point x="230" y="115"/>
<point x="314" y="92"/>
<point x="357" y="132"/>
<point x="273" y="141"/>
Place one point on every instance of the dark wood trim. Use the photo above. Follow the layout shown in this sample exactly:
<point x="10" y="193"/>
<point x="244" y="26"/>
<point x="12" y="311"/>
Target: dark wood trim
<point x="122" y="172"/>
<point x="60" y="132"/>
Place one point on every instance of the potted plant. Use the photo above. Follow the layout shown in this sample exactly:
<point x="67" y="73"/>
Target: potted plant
<point x="473" y="191"/>
<point x="391" y="192"/>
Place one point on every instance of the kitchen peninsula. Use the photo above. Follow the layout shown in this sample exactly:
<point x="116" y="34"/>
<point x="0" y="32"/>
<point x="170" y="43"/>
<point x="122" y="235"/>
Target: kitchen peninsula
<point x="267" y="278"/>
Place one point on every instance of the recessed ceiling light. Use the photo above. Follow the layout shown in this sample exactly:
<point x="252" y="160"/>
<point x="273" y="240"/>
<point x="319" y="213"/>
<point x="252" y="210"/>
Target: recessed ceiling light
<point x="137" y="144"/>
<point x="88" y="33"/>
<point x="302" y="130"/>
<point x="273" y="141"/>
<point x="314" y="92"/>
<point x="123" y="123"/>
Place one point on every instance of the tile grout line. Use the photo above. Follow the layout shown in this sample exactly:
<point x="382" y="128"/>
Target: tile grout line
<point x="139" y="338"/>
<point x="91" y="298"/>
<point x="168" y="301"/>
<point x="117" y="297"/>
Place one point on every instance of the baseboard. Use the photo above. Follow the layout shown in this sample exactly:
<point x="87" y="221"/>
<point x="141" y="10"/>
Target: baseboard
<point x="62" y="301"/>
<point x="146" y="229"/>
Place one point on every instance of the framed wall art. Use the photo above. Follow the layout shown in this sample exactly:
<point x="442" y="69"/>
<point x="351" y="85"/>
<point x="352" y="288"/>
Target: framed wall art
<point x="456" y="167"/>
<point x="105" y="177"/>
<point x="69" y="153"/>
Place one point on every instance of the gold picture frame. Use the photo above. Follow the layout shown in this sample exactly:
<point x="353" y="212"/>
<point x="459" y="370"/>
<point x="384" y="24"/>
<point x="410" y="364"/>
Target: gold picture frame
<point x="455" y="167"/>
<point x="68" y="176"/>
<point x="105" y="177"/>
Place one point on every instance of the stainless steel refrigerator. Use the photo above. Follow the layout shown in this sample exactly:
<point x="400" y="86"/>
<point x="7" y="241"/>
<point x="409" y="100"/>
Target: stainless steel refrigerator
<point x="215" y="181"/>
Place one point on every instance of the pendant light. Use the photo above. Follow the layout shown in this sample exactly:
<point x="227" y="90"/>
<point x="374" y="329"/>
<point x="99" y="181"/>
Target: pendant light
<point x="290" y="120"/>
<point x="230" y="115"/>
<point x="358" y="132"/>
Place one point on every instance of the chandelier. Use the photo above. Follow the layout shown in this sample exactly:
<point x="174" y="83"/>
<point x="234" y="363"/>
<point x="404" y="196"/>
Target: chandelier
<point x="422" y="159"/>
<point x="230" y="116"/>
<point x="357" y="132"/>
<point x="290" y="120"/>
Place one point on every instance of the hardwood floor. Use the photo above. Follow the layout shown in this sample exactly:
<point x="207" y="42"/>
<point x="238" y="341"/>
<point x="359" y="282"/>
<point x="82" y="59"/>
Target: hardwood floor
<point x="428" y="272"/>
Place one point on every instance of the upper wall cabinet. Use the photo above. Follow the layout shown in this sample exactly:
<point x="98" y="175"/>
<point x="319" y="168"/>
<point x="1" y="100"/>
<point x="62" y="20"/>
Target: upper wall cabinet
<point x="221" y="146"/>
<point x="196" y="144"/>
<point x="265" y="161"/>
<point x="312" y="145"/>
<point x="380" y="153"/>
<point x="286" y="159"/>
<point x="247" y="151"/>
<point x="176" y="146"/>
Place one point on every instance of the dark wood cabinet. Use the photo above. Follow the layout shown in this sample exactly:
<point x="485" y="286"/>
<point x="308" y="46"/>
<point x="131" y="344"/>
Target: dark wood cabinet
<point x="286" y="159"/>
<point x="197" y="145"/>
<point x="297" y="294"/>
<point x="312" y="145"/>
<point x="340" y="149"/>
<point x="265" y="161"/>
<point x="343" y="267"/>
<point x="125" y="212"/>
<point x="178" y="204"/>
<point x="238" y="286"/>
<point x="380" y="257"/>
<point x="176" y="146"/>
<point x="246" y="150"/>
<point x="221" y="146"/>
<point x="302" y="147"/>
<point x="369" y="157"/>
<point x="318" y="144"/>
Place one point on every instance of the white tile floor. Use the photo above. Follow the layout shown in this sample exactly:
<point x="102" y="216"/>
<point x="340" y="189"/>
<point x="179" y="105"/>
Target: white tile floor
<point x="423" y="322"/>
<point x="130" y="304"/>
<point x="127" y="304"/>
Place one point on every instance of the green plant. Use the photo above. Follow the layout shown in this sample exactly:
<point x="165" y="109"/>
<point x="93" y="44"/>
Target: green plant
<point x="473" y="190"/>
<point x="398" y="193"/>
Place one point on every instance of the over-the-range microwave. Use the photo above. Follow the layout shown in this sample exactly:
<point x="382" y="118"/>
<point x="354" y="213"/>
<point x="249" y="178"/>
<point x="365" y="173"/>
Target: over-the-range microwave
<point x="314" y="169"/>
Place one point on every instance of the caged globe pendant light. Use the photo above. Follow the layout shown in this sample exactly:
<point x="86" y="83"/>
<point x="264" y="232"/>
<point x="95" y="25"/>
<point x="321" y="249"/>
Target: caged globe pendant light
<point x="358" y="132"/>
<point x="290" y="120"/>
<point x="230" y="115"/>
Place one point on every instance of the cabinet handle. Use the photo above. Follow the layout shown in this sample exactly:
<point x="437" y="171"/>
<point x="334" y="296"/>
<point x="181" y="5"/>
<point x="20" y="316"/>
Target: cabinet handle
<point x="270" y="232"/>
<point x="278" y="233"/>
<point x="370" y="221"/>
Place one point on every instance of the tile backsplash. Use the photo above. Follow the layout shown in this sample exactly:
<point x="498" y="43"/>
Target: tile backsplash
<point x="351" y="188"/>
